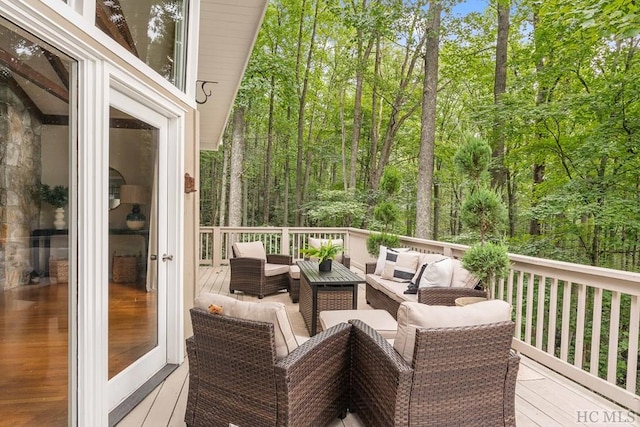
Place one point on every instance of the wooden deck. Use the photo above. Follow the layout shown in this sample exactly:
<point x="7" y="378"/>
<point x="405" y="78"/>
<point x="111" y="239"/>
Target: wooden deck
<point x="543" y="397"/>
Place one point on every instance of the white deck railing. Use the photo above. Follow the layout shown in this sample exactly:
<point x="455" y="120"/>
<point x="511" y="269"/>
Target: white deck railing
<point x="568" y="316"/>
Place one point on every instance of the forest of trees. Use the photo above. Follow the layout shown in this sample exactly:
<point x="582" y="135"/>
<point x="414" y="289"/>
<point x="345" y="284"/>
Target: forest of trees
<point x="337" y="93"/>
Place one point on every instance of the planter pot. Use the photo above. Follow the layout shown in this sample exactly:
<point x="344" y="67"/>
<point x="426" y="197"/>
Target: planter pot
<point x="59" y="219"/>
<point x="325" y="265"/>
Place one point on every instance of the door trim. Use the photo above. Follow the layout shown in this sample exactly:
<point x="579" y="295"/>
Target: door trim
<point x="170" y="304"/>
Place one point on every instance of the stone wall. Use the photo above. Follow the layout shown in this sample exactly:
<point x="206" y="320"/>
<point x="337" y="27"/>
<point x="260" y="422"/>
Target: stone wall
<point x="20" y="168"/>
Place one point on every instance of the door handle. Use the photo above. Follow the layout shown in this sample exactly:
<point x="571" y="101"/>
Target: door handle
<point x="153" y="257"/>
<point x="166" y="257"/>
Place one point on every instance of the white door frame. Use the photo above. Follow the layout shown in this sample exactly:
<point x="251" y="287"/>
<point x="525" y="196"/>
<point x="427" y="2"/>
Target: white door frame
<point x="169" y="238"/>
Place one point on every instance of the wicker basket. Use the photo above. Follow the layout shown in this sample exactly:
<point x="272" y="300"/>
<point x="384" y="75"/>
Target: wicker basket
<point x="125" y="268"/>
<point x="59" y="270"/>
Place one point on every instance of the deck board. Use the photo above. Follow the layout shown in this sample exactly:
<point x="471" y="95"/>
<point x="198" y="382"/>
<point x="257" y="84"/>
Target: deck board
<point x="543" y="397"/>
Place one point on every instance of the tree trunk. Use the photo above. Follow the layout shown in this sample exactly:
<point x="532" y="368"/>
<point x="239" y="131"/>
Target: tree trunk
<point x="343" y="140"/>
<point x="375" y="123"/>
<point x="235" y="180"/>
<point x="407" y="82"/>
<point x="268" y="154"/>
<point x="498" y="170"/>
<point x="428" y="131"/>
<point x="302" y="98"/>
<point x="361" y="64"/>
<point x="223" y="186"/>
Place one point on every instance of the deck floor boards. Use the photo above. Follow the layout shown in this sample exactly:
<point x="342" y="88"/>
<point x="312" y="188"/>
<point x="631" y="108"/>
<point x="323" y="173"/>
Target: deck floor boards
<point x="543" y="397"/>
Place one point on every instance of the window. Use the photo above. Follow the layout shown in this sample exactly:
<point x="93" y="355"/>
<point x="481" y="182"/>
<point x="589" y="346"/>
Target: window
<point x="152" y="30"/>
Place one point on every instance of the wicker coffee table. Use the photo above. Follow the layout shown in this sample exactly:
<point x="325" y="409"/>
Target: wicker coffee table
<point x="326" y="290"/>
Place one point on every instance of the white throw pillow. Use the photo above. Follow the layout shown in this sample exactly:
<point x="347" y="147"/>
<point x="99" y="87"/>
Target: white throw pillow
<point x="437" y="274"/>
<point x="270" y="312"/>
<point x="414" y="315"/>
<point x="386" y="254"/>
<point x="403" y="269"/>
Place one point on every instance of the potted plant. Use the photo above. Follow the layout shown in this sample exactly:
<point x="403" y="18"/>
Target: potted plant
<point x="325" y="253"/>
<point x="56" y="197"/>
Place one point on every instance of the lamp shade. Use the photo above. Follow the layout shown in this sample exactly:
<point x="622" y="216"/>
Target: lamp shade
<point x="133" y="194"/>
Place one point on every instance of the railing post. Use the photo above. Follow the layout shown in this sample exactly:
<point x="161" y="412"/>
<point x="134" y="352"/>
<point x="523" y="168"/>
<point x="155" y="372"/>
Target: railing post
<point x="284" y="241"/>
<point x="217" y="246"/>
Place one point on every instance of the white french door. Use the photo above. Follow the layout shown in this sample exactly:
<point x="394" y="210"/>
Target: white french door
<point x="139" y="250"/>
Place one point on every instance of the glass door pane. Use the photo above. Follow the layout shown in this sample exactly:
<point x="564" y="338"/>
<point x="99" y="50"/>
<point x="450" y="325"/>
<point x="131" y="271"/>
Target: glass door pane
<point x="133" y="221"/>
<point x="35" y="220"/>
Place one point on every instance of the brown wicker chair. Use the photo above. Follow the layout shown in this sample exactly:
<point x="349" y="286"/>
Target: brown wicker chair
<point x="249" y="275"/>
<point x="463" y="376"/>
<point x="235" y="378"/>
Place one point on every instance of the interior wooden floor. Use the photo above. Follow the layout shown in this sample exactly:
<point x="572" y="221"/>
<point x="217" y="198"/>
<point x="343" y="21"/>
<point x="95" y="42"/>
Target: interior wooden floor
<point x="34" y="347"/>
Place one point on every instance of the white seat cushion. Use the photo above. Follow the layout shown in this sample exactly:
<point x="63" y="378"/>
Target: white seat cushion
<point x="380" y="320"/>
<point x="294" y="272"/>
<point x="275" y="269"/>
<point x="264" y="311"/>
<point x="413" y="316"/>
<point x="250" y="250"/>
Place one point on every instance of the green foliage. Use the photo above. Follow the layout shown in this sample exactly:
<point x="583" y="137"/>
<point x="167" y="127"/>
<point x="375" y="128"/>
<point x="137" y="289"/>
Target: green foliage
<point x="472" y="158"/>
<point x="327" y="250"/>
<point x="483" y="212"/>
<point x="391" y="180"/>
<point x="387" y="213"/>
<point x="376" y="239"/>
<point x="487" y="262"/>
<point x="335" y="208"/>
<point x="56" y="196"/>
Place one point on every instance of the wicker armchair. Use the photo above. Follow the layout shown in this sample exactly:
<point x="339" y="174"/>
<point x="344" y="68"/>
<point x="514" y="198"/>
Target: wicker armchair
<point x="258" y="275"/>
<point x="463" y="376"/>
<point x="235" y="378"/>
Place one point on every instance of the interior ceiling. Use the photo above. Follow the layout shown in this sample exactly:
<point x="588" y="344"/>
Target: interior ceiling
<point x="228" y="30"/>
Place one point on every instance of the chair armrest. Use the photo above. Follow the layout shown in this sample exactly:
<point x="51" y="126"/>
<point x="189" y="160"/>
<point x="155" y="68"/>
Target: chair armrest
<point x="445" y="295"/>
<point x="510" y="389"/>
<point x="380" y="379"/>
<point x="313" y="380"/>
<point x="280" y="259"/>
<point x="370" y="267"/>
<point x="248" y="266"/>
<point x="346" y="260"/>
<point x="192" y="399"/>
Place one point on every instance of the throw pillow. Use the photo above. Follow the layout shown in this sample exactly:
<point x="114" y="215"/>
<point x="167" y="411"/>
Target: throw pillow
<point x="437" y="274"/>
<point x="271" y="312"/>
<point x="412" y="288"/>
<point x="403" y="269"/>
<point x="414" y="315"/>
<point x="386" y="254"/>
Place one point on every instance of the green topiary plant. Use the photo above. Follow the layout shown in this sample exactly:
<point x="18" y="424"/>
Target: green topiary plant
<point x="376" y="239"/>
<point x="487" y="262"/>
<point x="483" y="212"/>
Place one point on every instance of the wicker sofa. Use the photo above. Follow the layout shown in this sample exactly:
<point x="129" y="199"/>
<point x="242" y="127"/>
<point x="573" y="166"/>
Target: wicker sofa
<point x="388" y="294"/>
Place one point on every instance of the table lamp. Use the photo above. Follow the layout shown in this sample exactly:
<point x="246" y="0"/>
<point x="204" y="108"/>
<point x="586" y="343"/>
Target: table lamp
<point x="135" y="195"/>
